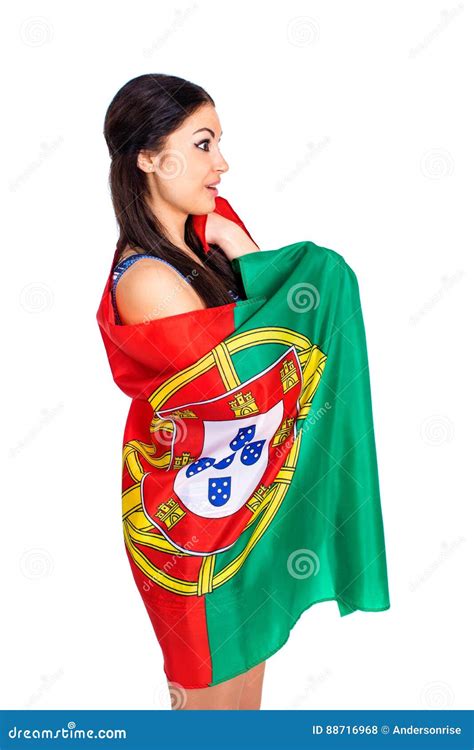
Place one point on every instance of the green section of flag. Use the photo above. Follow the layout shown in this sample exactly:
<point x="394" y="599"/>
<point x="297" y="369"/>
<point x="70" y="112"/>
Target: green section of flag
<point x="326" y="539"/>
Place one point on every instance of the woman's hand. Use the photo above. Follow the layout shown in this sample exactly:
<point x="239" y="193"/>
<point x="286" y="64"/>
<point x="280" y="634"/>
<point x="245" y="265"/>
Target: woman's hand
<point x="233" y="240"/>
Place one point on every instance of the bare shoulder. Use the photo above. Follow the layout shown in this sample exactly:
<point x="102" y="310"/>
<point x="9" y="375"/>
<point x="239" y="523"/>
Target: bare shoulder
<point x="150" y="289"/>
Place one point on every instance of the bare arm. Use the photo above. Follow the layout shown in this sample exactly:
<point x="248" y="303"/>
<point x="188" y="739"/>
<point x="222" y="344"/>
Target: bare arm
<point x="150" y="290"/>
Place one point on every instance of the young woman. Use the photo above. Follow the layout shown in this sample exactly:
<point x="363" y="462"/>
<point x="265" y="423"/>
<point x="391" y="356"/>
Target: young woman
<point x="163" y="136"/>
<point x="235" y="361"/>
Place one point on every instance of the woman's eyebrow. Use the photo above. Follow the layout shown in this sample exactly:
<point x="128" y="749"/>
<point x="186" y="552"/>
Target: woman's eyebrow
<point x="209" y="129"/>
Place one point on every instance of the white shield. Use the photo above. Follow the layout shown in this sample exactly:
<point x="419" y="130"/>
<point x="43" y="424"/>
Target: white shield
<point x="232" y="462"/>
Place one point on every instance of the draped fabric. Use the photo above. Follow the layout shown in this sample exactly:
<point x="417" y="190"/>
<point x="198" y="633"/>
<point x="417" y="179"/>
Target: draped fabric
<point x="250" y="485"/>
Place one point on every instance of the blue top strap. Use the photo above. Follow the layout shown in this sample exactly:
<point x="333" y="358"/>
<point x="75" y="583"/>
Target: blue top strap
<point x="121" y="267"/>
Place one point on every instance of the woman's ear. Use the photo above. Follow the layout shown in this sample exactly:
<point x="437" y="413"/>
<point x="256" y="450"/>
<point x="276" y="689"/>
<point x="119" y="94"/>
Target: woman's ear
<point x="145" y="161"/>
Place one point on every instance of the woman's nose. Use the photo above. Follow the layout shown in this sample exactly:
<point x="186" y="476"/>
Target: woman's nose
<point x="221" y="164"/>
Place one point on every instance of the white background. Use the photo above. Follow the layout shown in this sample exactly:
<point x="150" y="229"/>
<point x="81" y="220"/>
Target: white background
<point x="344" y="123"/>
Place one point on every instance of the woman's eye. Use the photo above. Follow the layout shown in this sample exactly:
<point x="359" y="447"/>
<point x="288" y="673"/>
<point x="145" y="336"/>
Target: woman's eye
<point x="206" y="142"/>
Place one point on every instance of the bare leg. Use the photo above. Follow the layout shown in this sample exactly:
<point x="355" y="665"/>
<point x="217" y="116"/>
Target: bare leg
<point x="251" y="696"/>
<point x="224" y="696"/>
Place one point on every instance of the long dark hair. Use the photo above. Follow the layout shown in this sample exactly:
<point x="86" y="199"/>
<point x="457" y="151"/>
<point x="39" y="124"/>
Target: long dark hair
<point x="142" y="114"/>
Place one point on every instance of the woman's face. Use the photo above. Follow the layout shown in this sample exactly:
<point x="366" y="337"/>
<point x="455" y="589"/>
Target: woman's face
<point x="190" y="160"/>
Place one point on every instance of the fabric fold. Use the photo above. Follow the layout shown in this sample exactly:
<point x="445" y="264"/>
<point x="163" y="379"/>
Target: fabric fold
<point x="250" y="482"/>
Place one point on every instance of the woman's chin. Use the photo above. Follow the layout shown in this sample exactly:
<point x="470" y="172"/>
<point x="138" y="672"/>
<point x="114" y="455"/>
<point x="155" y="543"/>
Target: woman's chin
<point x="204" y="207"/>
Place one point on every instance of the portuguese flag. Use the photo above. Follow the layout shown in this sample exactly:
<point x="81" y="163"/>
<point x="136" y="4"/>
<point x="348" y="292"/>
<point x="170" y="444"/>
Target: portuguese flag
<point x="250" y="486"/>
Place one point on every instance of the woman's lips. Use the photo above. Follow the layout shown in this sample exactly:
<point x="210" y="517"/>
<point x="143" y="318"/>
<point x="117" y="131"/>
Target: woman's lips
<point x="213" y="190"/>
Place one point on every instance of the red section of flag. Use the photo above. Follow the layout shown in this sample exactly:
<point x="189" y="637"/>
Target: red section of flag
<point x="181" y="631"/>
<point x="141" y="357"/>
